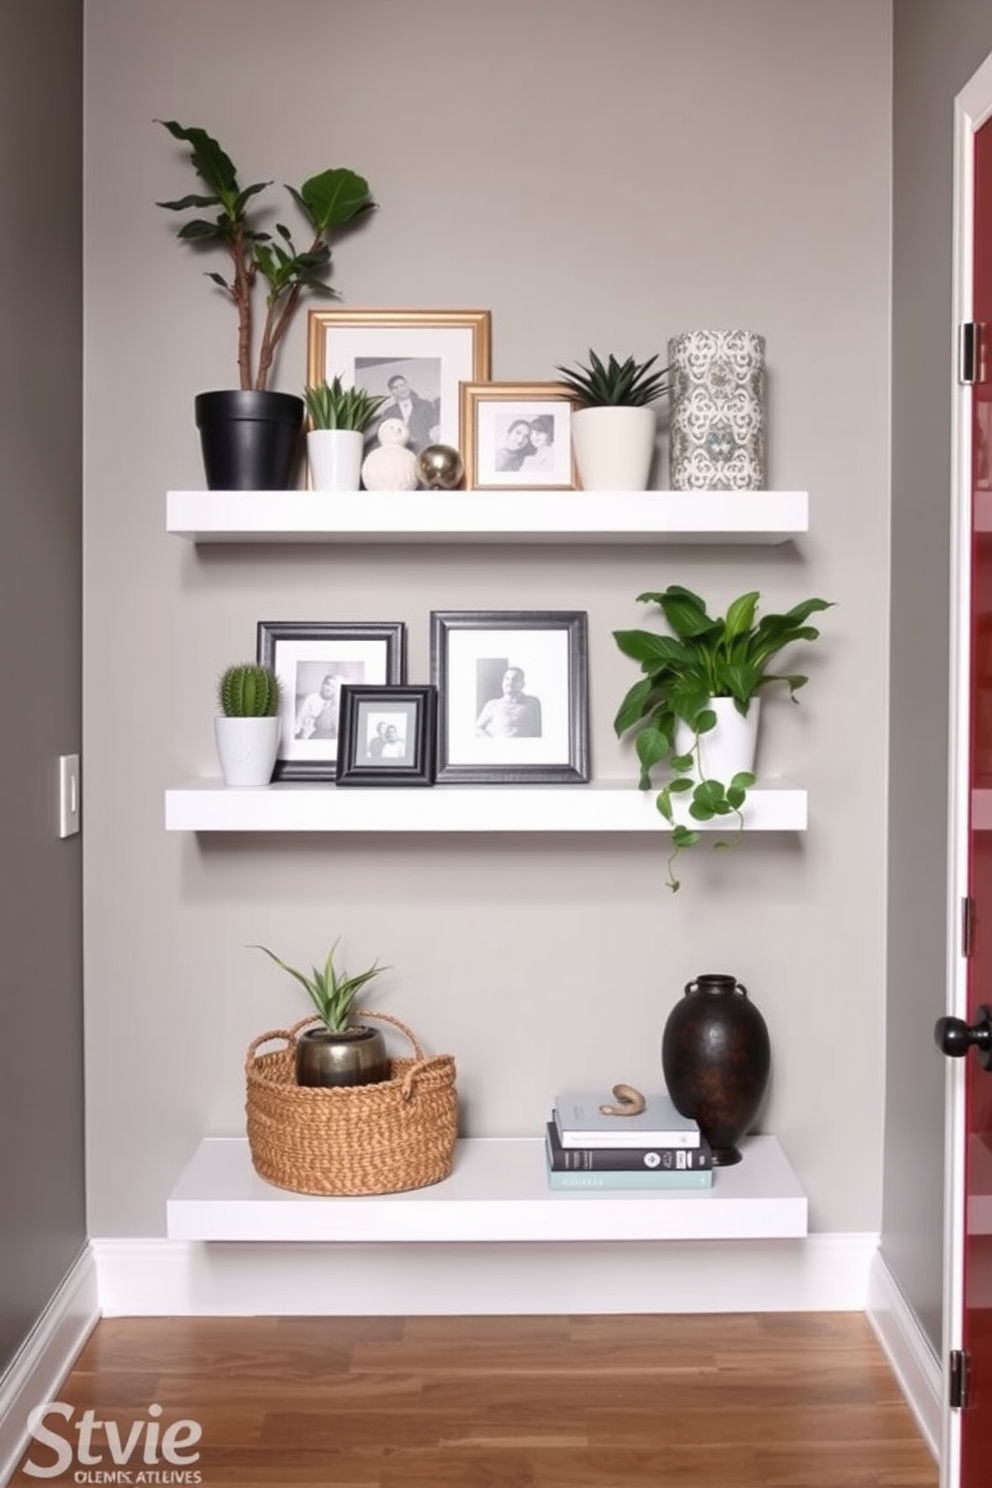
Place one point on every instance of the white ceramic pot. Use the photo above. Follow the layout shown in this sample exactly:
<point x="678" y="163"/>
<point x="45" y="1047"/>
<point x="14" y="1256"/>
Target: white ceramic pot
<point x="614" y="447"/>
<point x="728" y="748"/>
<point x="247" y="748"/>
<point x="335" y="457"/>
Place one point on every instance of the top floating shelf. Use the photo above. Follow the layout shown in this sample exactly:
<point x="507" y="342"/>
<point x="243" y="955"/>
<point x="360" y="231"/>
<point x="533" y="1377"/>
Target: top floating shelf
<point x="488" y="516"/>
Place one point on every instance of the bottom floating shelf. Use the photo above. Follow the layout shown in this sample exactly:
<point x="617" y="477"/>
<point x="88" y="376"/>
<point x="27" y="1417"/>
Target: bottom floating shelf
<point x="497" y="1191"/>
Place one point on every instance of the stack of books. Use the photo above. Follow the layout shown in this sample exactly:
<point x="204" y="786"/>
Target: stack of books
<point x="655" y="1150"/>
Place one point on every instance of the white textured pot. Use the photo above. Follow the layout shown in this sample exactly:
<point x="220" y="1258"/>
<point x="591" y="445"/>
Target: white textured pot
<point x="728" y="748"/>
<point x="247" y="748"/>
<point x="335" y="457"/>
<point x="614" y="447"/>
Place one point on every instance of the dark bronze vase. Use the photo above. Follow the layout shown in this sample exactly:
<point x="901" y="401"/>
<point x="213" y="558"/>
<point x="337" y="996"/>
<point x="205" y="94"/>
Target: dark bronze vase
<point x="355" y="1056"/>
<point x="716" y="1058"/>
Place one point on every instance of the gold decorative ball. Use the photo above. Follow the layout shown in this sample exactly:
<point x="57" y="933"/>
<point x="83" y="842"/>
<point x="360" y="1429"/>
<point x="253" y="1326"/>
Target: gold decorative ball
<point x="440" y="467"/>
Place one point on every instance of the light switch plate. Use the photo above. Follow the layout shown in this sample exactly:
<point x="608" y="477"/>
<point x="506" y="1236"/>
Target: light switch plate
<point x="68" y="795"/>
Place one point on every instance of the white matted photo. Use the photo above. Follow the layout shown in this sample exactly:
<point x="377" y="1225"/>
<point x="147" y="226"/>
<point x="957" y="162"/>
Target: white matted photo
<point x="388" y="735"/>
<point x="415" y="359"/>
<point x="512" y="695"/>
<point x="518" y="434"/>
<point x="314" y="661"/>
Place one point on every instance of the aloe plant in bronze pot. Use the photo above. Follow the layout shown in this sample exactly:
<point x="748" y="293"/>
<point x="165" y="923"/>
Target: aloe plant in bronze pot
<point x="341" y="1051"/>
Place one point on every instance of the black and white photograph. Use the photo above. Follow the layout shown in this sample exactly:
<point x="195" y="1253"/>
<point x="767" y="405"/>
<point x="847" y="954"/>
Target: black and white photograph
<point x="415" y="359"/>
<point x="512" y="695"/>
<point x="411" y="387"/>
<point x="315" y="662"/>
<point x="518" y="434"/>
<point x="388" y="735"/>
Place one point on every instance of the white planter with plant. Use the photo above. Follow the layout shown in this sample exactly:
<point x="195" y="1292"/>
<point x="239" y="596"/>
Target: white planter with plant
<point x="614" y="427"/>
<point x="247" y="731"/>
<point x="250" y="437"/>
<point x="341" y="1051"/>
<point x="703" y="666"/>
<point x="339" y="417"/>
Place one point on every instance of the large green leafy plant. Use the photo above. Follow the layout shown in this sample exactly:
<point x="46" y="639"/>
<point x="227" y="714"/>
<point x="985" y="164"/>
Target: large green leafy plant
<point x="331" y="199"/>
<point x="700" y="659"/>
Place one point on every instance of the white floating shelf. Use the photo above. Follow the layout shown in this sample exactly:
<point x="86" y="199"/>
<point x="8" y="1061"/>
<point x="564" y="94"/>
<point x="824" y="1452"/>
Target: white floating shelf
<point x="496" y="1192"/>
<point x="512" y="515"/>
<point x="209" y="806"/>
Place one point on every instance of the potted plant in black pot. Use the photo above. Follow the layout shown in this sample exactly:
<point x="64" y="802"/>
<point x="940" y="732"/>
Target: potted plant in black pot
<point x="614" y="426"/>
<point x="696" y="707"/>
<point x="250" y="437"/>
<point x="340" y="1051"/>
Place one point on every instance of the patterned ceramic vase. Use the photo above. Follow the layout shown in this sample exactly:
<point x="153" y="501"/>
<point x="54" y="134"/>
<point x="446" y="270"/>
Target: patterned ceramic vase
<point x="717" y="426"/>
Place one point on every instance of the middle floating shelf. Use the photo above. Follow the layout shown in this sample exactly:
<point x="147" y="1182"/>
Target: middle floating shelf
<point x="208" y="806"/>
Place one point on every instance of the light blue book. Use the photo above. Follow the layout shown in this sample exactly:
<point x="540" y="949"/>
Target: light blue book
<point x="580" y="1123"/>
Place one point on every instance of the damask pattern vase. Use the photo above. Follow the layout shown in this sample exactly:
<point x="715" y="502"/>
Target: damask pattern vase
<point x="717" y="426"/>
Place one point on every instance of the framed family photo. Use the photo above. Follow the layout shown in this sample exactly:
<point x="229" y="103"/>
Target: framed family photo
<point x="314" y="661"/>
<point x="388" y="735"/>
<point x="415" y="359"/>
<point x="518" y="434"/>
<point x="513" y="700"/>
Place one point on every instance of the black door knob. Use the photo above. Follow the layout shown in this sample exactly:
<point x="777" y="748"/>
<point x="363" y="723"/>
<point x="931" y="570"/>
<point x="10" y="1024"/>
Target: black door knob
<point x="954" y="1037"/>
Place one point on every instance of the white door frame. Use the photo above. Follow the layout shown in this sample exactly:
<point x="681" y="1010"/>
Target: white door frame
<point x="972" y="107"/>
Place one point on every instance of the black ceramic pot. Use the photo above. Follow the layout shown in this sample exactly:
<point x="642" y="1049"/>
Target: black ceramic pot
<point x="355" y="1056"/>
<point x="716" y="1058"/>
<point x="250" y="441"/>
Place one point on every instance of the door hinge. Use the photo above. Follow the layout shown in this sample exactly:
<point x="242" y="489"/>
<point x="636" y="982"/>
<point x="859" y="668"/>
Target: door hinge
<point x="967" y="924"/>
<point x="958" y="1375"/>
<point x="971" y="352"/>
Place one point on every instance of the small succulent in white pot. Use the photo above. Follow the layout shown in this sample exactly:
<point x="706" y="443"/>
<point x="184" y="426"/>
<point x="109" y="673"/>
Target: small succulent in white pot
<point x="339" y="417"/>
<point x="614" y="426"/>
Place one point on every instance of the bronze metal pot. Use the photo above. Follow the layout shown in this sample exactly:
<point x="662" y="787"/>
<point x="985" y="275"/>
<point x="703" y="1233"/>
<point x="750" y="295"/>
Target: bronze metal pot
<point x="355" y="1056"/>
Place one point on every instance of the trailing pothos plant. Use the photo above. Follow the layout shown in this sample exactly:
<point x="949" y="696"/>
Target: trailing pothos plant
<point x="703" y="658"/>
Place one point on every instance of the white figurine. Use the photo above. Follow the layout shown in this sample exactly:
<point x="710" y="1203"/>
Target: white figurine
<point x="391" y="466"/>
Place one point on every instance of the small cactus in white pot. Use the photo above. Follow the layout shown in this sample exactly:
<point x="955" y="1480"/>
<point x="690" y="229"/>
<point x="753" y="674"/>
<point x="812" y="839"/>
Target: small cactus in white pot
<point x="614" y="425"/>
<point x="247" y="730"/>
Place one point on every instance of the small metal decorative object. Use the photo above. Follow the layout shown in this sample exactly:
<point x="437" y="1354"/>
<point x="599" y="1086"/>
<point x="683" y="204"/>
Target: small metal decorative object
<point x="440" y="467"/>
<point x="629" y="1102"/>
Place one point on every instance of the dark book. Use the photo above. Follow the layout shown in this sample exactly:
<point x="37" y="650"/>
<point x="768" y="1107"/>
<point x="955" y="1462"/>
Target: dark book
<point x="626" y="1159"/>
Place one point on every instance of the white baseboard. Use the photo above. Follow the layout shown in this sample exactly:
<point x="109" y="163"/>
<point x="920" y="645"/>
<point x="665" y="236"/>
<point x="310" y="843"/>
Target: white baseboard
<point x="908" y="1350"/>
<point x="157" y="1278"/>
<point x="46" y="1357"/>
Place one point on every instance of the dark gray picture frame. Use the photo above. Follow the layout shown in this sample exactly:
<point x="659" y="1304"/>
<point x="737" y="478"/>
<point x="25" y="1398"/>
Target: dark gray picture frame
<point x="350" y="651"/>
<point x="372" y="716"/>
<point x="476" y="744"/>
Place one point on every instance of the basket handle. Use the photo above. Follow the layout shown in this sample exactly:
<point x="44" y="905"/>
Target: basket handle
<point x="287" y="1034"/>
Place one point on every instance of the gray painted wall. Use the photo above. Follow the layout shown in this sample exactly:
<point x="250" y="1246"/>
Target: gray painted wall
<point x="936" y="50"/>
<point x="597" y="176"/>
<point x="42" y="1220"/>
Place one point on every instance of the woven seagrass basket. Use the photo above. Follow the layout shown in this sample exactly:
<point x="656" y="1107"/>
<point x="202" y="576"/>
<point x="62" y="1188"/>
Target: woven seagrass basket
<point x="350" y="1139"/>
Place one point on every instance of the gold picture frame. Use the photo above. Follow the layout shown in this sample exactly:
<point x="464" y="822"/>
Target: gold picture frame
<point x="430" y="351"/>
<point x="497" y="457"/>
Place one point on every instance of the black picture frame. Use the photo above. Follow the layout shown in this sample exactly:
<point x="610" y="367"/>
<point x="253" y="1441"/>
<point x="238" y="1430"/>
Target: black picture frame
<point x="374" y="721"/>
<point x="307" y="655"/>
<point x="531" y="730"/>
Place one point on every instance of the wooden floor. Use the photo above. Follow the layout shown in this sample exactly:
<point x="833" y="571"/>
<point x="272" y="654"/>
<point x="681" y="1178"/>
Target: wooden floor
<point x="780" y="1400"/>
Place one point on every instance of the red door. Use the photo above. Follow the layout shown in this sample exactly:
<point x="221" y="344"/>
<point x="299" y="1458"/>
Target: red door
<point x="976" y="1419"/>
